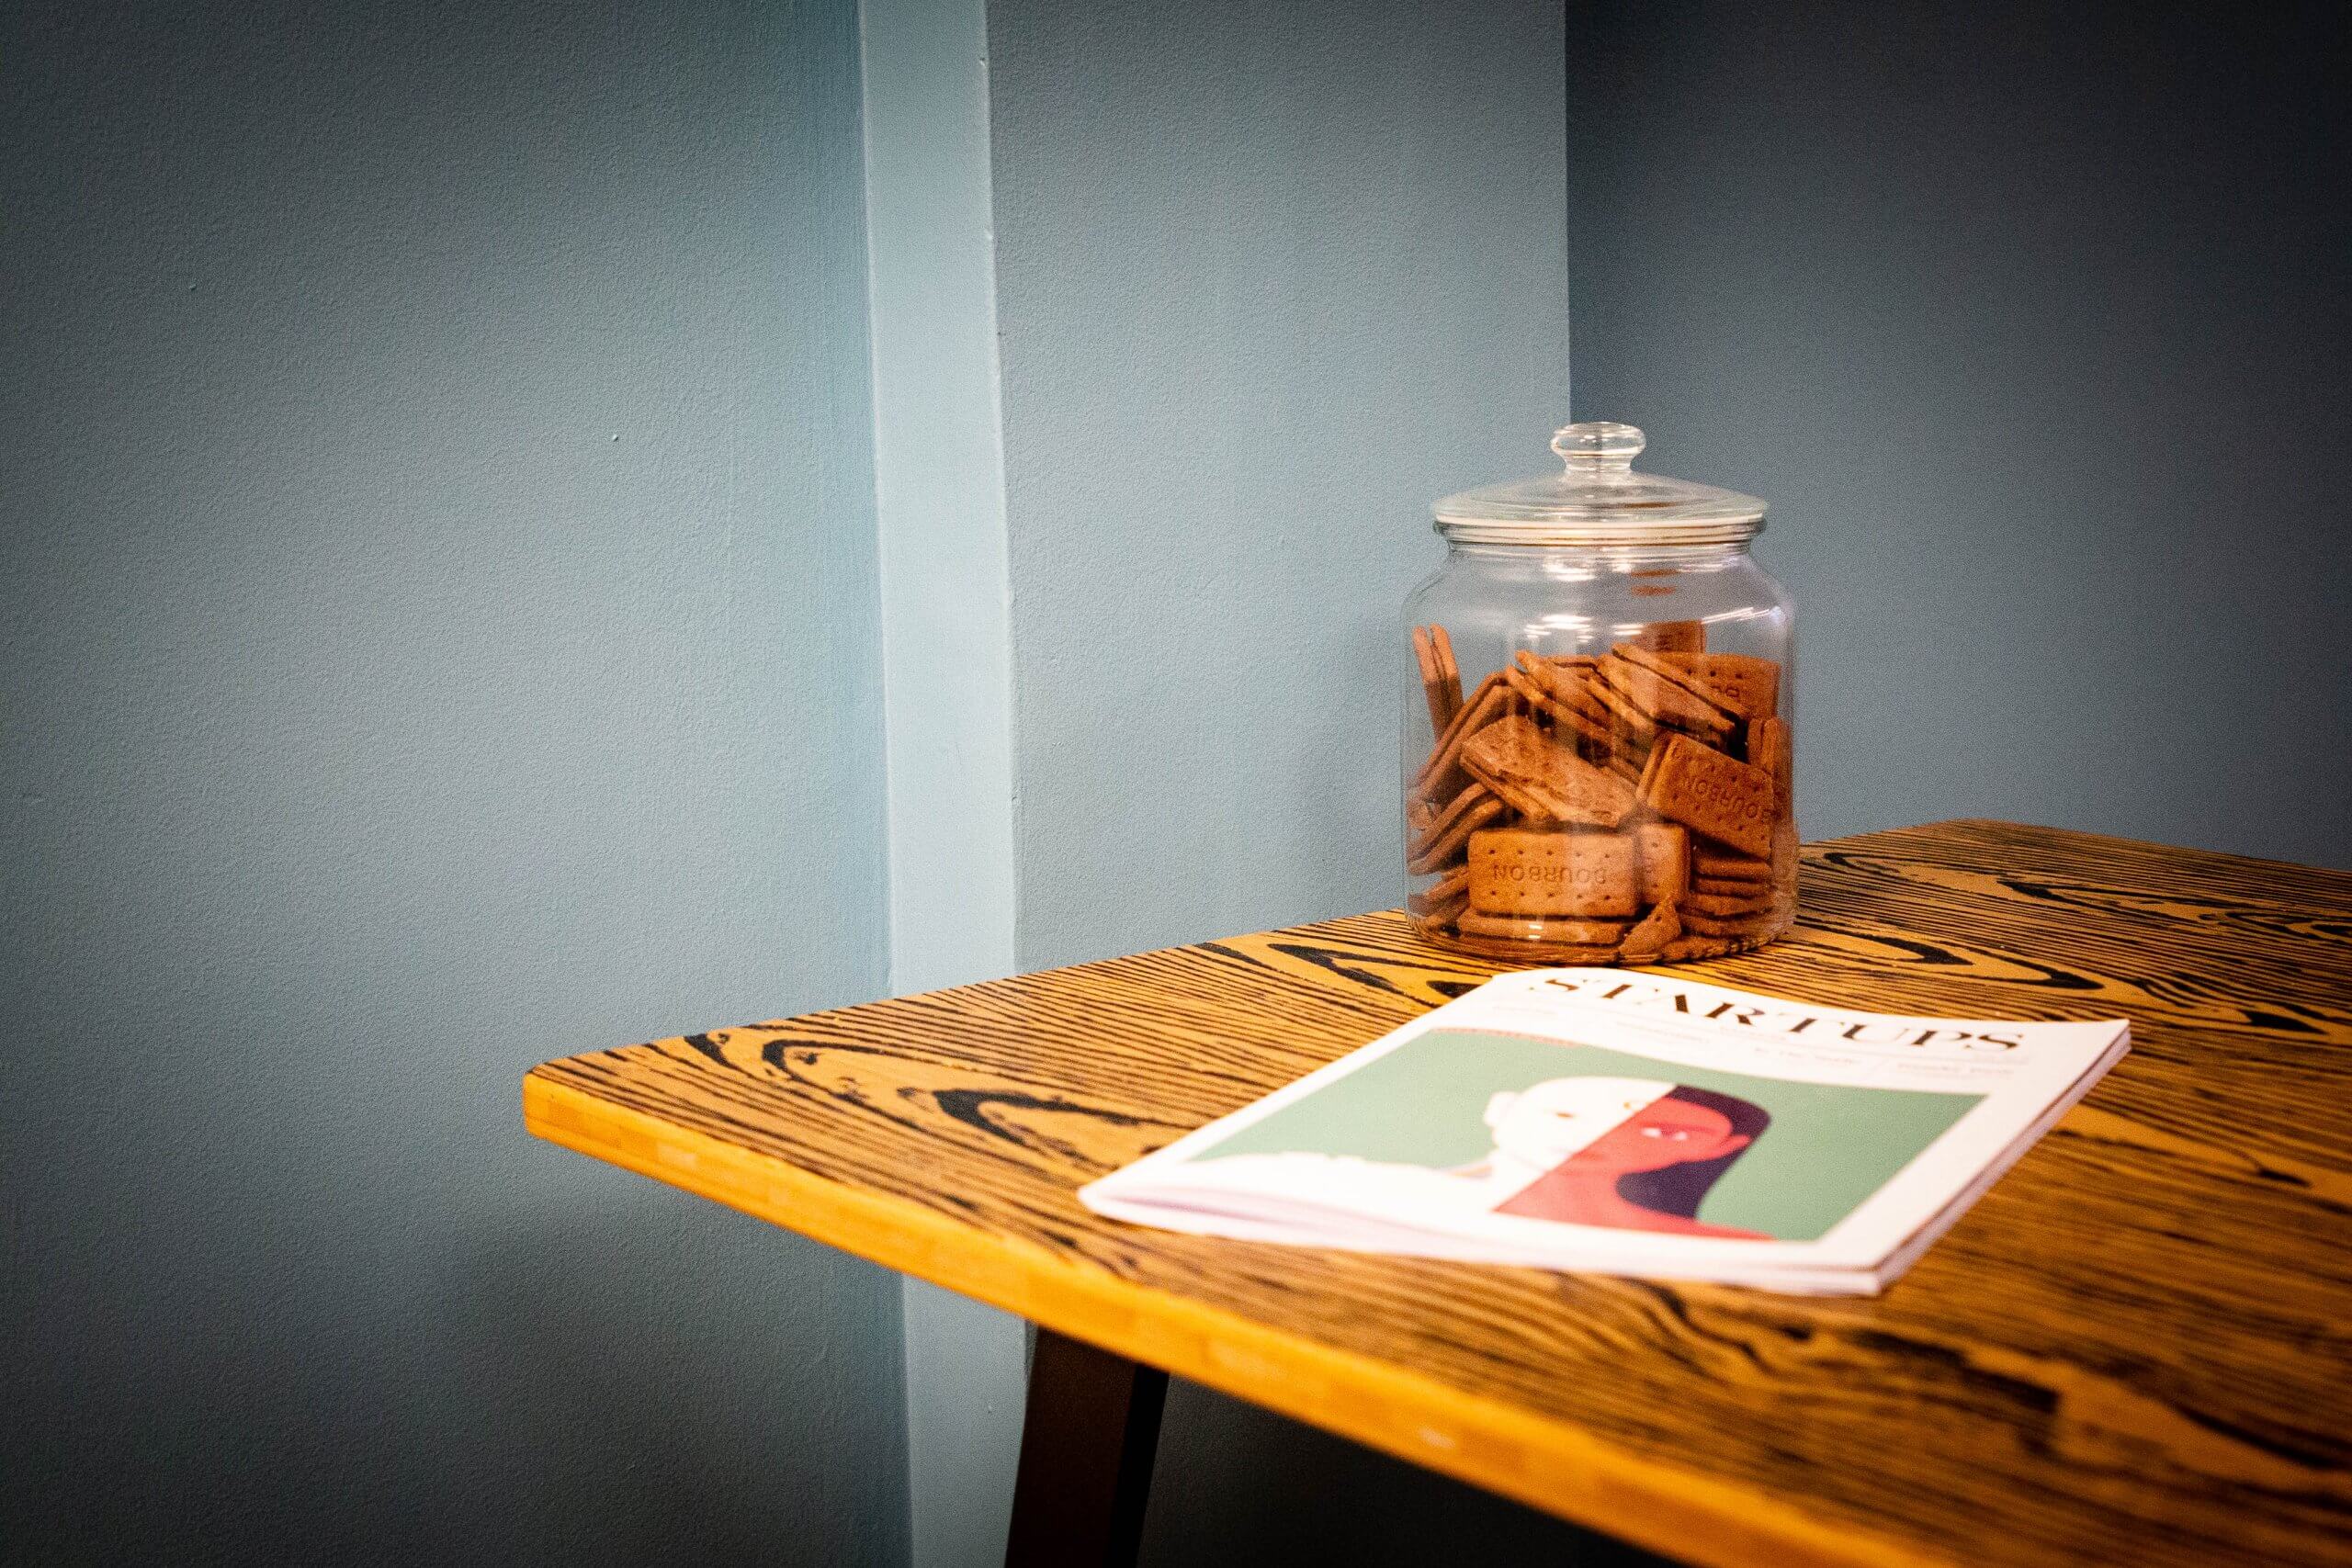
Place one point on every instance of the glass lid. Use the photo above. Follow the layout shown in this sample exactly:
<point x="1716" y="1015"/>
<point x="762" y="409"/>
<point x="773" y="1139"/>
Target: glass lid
<point x="1599" y="499"/>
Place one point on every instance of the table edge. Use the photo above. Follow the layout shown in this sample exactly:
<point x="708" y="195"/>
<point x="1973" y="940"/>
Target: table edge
<point x="2085" y="834"/>
<point x="1552" y="1466"/>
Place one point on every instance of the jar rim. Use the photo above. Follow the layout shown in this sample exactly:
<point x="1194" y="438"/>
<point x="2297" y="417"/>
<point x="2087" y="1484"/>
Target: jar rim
<point x="1600" y="532"/>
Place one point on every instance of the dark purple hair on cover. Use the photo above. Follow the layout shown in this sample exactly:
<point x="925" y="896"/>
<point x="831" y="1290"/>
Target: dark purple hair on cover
<point x="1680" y="1188"/>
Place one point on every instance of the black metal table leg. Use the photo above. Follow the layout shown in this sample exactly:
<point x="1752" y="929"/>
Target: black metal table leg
<point x="1086" y="1449"/>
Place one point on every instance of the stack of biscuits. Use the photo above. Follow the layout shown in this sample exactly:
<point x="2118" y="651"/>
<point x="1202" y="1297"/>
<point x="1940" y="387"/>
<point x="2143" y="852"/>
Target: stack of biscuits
<point x="1632" y="807"/>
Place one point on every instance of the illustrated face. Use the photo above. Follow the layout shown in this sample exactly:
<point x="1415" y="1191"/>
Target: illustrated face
<point x="1664" y="1132"/>
<point x="1546" y="1123"/>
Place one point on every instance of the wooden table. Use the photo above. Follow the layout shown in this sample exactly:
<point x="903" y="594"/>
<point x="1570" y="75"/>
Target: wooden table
<point x="2135" y="1348"/>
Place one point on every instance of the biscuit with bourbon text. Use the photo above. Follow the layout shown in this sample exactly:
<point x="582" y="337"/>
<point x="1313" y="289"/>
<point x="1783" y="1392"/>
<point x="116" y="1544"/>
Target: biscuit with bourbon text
<point x="1521" y="763"/>
<point x="1708" y="793"/>
<point x="1526" y="871"/>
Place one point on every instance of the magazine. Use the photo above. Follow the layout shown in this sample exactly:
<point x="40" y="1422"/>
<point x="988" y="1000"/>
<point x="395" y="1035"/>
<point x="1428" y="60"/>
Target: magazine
<point x="1627" y="1123"/>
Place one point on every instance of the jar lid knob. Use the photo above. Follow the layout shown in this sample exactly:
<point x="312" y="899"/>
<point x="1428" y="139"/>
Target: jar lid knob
<point x="1598" y="444"/>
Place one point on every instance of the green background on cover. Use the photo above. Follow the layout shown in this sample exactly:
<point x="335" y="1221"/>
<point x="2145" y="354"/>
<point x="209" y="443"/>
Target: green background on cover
<point x="1829" y="1146"/>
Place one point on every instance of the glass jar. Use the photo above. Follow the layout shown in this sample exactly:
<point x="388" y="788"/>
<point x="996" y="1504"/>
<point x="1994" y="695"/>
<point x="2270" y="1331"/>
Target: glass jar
<point x="1599" y="720"/>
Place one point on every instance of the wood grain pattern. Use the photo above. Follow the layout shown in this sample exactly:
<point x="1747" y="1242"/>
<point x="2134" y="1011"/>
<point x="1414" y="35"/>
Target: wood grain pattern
<point x="2135" y="1348"/>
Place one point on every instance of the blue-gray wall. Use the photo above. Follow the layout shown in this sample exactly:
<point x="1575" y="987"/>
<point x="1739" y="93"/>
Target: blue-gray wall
<point x="436" y="530"/>
<point x="2032" y="322"/>
<point x="1270" y="278"/>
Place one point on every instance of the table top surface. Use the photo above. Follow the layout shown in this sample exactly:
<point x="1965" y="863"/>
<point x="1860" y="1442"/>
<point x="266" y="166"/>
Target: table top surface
<point x="2137" y="1346"/>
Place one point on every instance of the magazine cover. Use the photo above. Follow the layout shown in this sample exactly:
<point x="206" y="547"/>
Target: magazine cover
<point x="1598" y="1119"/>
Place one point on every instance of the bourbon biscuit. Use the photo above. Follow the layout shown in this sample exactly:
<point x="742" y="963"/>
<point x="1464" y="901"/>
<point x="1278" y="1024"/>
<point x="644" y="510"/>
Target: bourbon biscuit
<point x="1522" y="928"/>
<point x="1661" y="859"/>
<point x="1517" y="799"/>
<point x="1729" y="906"/>
<point x="1599" y="730"/>
<point x="1437" y="923"/>
<point x="1443" y="899"/>
<point x="1432" y="909"/>
<point x="1536" y="682"/>
<point x="1672" y="637"/>
<point x="1768" y="748"/>
<point x="1686" y="947"/>
<point x="1786" y="852"/>
<point x="1443" y="699"/>
<point x="1557" y="677"/>
<point x="1650" y="934"/>
<point x="1528" y="690"/>
<point x="1516" y="760"/>
<point x="1623" y="712"/>
<point x="1447" y="846"/>
<point x="1441" y="644"/>
<point x="1722" y="865"/>
<point x="1456" y="881"/>
<point x="1723" y="925"/>
<point x="1684" y="670"/>
<point x="1678" y="669"/>
<point x="1665" y="701"/>
<point x="1642" y="781"/>
<point x="1535" y="668"/>
<point x="1525" y="872"/>
<point x="1443" y="821"/>
<point x="1728" y="887"/>
<point x="1707" y="792"/>
<point x="1596" y="742"/>
<point x="1576" y="691"/>
<point x="1439" y="777"/>
<point x="1750" y="687"/>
